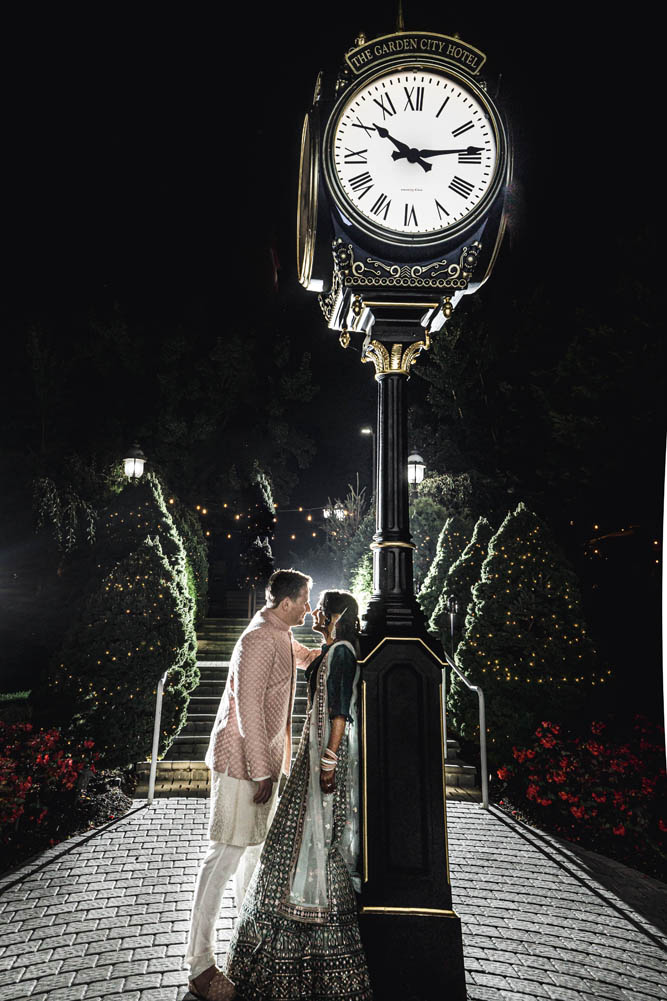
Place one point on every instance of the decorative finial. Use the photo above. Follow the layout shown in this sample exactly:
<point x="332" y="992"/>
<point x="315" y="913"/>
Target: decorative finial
<point x="400" y="21"/>
<point x="360" y="39"/>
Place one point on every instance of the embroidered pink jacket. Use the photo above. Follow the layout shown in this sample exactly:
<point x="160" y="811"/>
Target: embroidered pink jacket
<point x="251" y="736"/>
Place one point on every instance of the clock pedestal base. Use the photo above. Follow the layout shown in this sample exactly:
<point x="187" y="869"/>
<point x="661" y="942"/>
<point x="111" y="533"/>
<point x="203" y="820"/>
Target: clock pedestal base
<point x="414" y="957"/>
<point x="410" y="932"/>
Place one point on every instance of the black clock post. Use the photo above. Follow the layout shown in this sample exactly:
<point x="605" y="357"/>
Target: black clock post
<point x="398" y="272"/>
<point x="411" y="934"/>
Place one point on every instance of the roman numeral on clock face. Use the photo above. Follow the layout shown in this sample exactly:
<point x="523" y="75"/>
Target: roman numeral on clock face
<point x="410" y="216"/>
<point x="414" y="99"/>
<point x="387" y="111"/>
<point x="381" y="206"/>
<point x="368" y="129"/>
<point x="362" y="183"/>
<point x="355" y="155"/>
<point x="470" y="157"/>
<point x="441" y="107"/>
<point x="441" y="209"/>
<point x="462" y="128"/>
<point x="461" y="187"/>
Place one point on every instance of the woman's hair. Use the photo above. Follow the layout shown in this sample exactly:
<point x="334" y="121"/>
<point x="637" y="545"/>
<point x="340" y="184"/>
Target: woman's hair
<point x="347" y="627"/>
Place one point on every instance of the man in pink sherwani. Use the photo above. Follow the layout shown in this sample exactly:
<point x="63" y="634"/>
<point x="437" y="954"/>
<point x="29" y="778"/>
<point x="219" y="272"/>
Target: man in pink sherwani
<point x="250" y="746"/>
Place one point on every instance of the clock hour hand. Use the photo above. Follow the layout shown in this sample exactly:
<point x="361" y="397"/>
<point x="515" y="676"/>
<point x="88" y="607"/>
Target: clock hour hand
<point x="403" y="149"/>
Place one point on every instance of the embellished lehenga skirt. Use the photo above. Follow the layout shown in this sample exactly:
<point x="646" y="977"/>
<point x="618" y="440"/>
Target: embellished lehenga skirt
<point x="283" y="948"/>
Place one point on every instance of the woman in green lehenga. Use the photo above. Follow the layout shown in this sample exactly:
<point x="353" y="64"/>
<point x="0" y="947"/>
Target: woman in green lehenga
<point x="297" y="937"/>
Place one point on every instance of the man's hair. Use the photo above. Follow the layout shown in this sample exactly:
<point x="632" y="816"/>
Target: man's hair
<point x="285" y="584"/>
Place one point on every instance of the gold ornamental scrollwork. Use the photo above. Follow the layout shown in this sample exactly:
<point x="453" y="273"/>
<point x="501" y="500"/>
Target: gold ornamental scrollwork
<point x="413" y="351"/>
<point x="378" y="354"/>
<point x="399" y="361"/>
<point x="445" y="274"/>
<point x="328" y="301"/>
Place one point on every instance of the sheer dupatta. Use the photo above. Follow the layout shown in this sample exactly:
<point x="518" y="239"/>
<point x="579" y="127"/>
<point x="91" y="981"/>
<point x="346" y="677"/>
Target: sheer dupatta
<point x="327" y="820"/>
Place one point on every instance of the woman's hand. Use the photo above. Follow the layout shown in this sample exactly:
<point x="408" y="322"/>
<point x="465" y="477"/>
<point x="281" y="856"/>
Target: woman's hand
<point x="327" y="780"/>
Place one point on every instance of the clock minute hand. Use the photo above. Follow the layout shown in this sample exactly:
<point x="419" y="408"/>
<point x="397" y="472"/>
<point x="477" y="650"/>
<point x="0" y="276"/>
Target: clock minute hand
<point x="403" y="149"/>
<point x="468" y="150"/>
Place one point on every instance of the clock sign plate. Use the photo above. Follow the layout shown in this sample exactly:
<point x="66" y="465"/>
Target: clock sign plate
<point x="416" y="44"/>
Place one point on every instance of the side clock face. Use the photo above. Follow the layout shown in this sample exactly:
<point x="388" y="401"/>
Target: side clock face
<point x="307" y="199"/>
<point x="414" y="154"/>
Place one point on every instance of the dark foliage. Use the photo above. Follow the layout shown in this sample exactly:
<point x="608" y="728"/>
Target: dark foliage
<point x="133" y="628"/>
<point x="604" y="792"/>
<point x="427" y="519"/>
<point x="49" y="790"/>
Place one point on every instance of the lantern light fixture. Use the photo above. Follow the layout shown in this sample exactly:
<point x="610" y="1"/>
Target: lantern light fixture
<point x="134" y="462"/>
<point x="416" y="468"/>
<point x="337" y="511"/>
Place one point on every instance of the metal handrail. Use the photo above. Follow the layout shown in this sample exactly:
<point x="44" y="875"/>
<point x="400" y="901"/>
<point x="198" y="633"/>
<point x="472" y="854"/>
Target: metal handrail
<point x="482" y="731"/>
<point x="156" y="736"/>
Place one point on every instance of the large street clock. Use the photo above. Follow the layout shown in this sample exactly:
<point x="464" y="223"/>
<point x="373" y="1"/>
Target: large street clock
<point x="405" y="164"/>
<point x="413" y="155"/>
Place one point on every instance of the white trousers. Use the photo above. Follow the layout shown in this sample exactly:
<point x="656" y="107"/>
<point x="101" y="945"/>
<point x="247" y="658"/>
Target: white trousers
<point x="220" y="864"/>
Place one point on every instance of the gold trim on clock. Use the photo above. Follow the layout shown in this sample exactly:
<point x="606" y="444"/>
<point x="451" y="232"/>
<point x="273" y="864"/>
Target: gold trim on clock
<point x="444" y="782"/>
<point x="387" y="545"/>
<point x="365" y="762"/>
<point x="401" y="305"/>
<point x="402" y="639"/>
<point x="431" y="912"/>
<point x="306" y="216"/>
<point x="364" y="757"/>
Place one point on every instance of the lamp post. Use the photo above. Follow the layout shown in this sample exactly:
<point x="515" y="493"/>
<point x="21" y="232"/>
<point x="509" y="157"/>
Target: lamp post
<point x="134" y="462"/>
<point x="370" y="431"/>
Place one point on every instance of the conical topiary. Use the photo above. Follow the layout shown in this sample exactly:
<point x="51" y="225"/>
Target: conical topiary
<point x="426" y="520"/>
<point x="463" y="574"/>
<point x="131" y="630"/>
<point x="525" y="639"/>
<point x="137" y="513"/>
<point x="451" y="543"/>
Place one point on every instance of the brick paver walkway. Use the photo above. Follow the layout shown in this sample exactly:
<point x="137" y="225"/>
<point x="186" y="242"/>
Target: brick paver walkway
<point x="106" y="914"/>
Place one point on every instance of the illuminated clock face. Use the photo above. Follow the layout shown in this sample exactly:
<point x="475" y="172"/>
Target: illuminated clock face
<point x="414" y="152"/>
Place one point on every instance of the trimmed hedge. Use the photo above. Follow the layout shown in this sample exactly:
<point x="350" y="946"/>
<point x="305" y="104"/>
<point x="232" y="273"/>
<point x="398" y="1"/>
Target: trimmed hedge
<point x="132" y="629"/>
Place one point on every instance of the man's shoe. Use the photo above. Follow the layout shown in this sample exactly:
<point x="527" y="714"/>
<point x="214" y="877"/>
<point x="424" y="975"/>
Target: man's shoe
<point x="220" y="988"/>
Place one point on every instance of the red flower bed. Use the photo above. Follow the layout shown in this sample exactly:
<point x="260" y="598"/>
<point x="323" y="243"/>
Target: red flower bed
<point x="41" y="773"/>
<point x="608" y="796"/>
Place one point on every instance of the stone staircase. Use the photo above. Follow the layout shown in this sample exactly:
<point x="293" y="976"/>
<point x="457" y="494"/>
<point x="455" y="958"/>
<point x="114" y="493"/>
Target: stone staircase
<point x="183" y="772"/>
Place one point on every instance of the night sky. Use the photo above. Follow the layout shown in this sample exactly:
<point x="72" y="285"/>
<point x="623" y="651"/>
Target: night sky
<point x="152" y="161"/>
